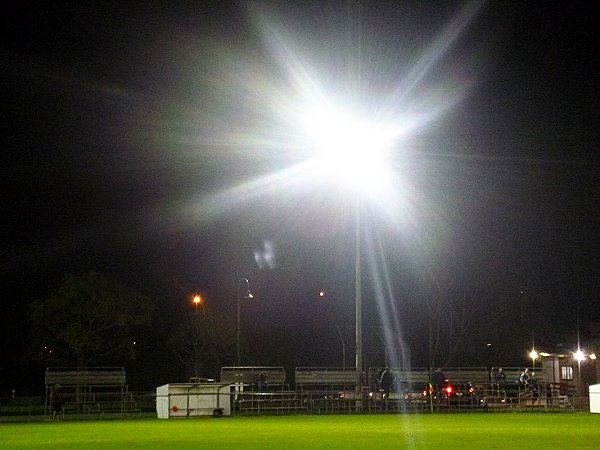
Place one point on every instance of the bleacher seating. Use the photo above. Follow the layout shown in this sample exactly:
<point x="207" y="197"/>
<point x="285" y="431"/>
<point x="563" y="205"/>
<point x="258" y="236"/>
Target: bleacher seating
<point x="325" y="378"/>
<point x="102" y="376"/>
<point x="418" y="375"/>
<point x="90" y="391"/>
<point x="274" y="376"/>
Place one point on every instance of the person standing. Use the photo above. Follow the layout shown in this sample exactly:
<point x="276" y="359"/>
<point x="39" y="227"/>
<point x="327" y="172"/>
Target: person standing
<point x="385" y="381"/>
<point x="55" y="402"/>
<point x="501" y="381"/>
<point x="262" y="382"/>
<point x="438" y="380"/>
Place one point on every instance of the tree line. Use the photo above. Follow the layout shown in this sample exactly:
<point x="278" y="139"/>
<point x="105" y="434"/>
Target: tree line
<point x="94" y="320"/>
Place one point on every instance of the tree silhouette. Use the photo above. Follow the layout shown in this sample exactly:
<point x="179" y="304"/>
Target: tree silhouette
<point x="88" y="320"/>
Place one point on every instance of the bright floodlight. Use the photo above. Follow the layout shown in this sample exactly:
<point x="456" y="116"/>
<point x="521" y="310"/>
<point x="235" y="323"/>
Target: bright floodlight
<point x="351" y="150"/>
<point x="579" y="355"/>
<point x="533" y="354"/>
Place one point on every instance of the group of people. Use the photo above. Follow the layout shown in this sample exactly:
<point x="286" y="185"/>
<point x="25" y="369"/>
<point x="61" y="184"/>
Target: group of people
<point x="526" y="380"/>
<point x="386" y="381"/>
<point x="439" y="381"/>
<point x="529" y="382"/>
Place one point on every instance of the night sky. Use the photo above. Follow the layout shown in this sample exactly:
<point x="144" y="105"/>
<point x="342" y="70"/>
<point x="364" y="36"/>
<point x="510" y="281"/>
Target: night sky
<point x="160" y="143"/>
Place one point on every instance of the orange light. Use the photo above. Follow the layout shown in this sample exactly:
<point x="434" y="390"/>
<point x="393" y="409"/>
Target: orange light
<point x="197" y="299"/>
<point x="321" y="293"/>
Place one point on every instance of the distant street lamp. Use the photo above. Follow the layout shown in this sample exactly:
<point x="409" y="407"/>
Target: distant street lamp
<point x="247" y="295"/>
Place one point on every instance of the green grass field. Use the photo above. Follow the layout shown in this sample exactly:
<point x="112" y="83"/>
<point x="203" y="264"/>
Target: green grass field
<point x="438" y="431"/>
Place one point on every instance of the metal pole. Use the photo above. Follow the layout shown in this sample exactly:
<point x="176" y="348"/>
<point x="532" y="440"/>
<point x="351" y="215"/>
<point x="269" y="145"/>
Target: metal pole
<point x="580" y="391"/>
<point x="343" y="348"/>
<point x="196" y="339"/>
<point x="248" y="295"/>
<point x="358" y="306"/>
<point x="238" y="323"/>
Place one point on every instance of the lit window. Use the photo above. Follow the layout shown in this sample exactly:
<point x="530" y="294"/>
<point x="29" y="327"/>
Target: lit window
<point x="566" y="373"/>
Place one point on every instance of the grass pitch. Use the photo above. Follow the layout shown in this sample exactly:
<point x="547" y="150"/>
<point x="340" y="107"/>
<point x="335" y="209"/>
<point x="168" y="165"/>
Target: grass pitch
<point x="438" y="431"/>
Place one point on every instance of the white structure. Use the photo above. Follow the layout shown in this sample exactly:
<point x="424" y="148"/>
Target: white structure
<point x="595" y="398"/>
<point x="192" y="399"/>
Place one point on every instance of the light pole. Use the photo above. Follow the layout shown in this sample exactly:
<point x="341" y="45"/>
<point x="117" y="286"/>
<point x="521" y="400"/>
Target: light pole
<point x="247" y="295"/>
<point x="197" y="300"/>
<point x="343" y="348"/>
<point x="358" y="300"/>
<point x="593" y="359"/>
<point x="353" y="151"/>
<point x="579" y="356"/>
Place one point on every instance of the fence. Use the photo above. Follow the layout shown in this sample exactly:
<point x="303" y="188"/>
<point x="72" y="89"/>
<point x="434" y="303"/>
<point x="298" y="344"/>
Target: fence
<point x="88" y="391"/>
<point x="253" y="390"/>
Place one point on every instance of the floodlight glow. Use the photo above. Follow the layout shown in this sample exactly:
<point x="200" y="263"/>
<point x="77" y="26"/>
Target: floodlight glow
<point x="579" y="355"/>
<point x="351" y="150"/>
<point x="533" y="354"/>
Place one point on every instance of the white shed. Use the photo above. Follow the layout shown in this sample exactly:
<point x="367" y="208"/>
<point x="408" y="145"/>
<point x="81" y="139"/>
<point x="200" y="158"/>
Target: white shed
<point x="595" y="398"/>
<point x="190" y="399"/>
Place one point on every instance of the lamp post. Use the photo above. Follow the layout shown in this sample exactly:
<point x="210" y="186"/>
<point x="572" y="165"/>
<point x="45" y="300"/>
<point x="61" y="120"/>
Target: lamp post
<point x="352" y="151"/>
<point x="197" y="300"/>
<point x="343" y="348"/>
<point x="358" y="299"/>
<point x="579" y="356"/>
<point x="247" y="295"/>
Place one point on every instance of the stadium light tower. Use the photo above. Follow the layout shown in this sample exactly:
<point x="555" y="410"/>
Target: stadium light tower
<point x="352" y="151"/>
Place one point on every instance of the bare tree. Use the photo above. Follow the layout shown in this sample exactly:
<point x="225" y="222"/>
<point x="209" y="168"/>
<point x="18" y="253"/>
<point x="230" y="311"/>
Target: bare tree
<point x="203" y="342"/>
<point x="450" y="316"/>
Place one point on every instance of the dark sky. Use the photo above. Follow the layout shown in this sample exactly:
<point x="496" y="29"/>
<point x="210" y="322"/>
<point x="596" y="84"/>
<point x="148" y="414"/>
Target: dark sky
<point x="138" y="140"/>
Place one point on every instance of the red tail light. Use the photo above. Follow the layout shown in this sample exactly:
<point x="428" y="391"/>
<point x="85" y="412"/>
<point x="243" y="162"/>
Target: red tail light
<point x="449" y="390"/>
